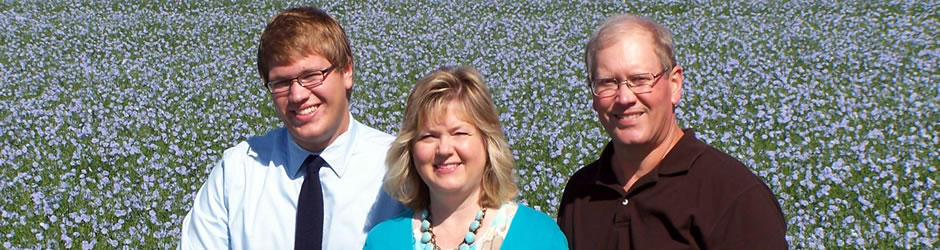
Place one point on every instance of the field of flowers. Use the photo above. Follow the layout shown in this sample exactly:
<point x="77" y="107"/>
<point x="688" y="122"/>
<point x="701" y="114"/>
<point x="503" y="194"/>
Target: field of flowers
<point x="113" y="112"/>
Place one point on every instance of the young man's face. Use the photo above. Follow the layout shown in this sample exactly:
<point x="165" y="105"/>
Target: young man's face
<point x="313" y="116"/>
<point x="628" y="117"/>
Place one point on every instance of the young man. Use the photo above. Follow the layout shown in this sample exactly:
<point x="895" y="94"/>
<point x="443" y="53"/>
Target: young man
<point x="655" y="185"/>
<point x="316" y="182"/>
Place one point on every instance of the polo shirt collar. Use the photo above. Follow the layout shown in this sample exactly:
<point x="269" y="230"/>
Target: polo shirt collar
<point x="336" y="154"/>
<point x="677" y="161"/>
<point x="682" y="155"/>
<point x="605" y="175"/>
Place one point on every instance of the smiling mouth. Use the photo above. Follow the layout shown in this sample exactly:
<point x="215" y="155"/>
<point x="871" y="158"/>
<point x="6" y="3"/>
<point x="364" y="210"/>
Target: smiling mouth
<point x="308" y="110"/>
<point x="629" y="116"/>
<point x="446" y="166"/>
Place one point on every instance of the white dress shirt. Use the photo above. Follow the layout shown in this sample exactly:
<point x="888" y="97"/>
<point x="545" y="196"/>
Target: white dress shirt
<point x="250" y="198"/>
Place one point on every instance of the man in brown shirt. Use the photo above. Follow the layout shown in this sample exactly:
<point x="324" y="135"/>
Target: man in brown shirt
<point x="655" y="185"/>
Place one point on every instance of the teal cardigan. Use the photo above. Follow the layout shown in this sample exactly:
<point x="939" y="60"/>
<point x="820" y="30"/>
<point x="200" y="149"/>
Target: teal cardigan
<point x="530" y="229"/>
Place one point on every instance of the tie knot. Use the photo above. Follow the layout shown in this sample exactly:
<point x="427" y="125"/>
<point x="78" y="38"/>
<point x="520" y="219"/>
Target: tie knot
<point x="313" y="164"/>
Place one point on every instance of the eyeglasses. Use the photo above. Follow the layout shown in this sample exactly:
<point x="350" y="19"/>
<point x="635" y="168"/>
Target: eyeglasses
<point x="308" y="80"/>
<point x="639" y="84"/>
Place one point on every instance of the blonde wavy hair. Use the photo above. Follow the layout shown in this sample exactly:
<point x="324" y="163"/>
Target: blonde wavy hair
<point x="428" y="101"/>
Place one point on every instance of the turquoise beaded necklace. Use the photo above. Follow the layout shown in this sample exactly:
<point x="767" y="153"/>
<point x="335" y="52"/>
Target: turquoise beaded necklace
<point x="427" y="232"/>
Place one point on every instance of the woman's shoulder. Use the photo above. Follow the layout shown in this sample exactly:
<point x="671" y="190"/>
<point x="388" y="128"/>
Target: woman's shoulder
<point x="529" y="226"/>
<point x="529" y="216"/>
<point x="395" y="223"/>
<point x="395" y="229"/>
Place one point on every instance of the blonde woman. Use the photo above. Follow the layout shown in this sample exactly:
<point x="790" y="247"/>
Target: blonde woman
<point x="451" y="166"/>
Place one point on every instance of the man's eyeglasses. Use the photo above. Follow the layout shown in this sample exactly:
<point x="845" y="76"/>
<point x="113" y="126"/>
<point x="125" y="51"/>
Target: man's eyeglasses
<point x="639" y="84"/>
<point x="308" y="80"/>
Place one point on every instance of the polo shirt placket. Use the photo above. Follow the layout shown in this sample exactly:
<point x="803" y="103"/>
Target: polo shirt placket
<point x="668" y="208"/>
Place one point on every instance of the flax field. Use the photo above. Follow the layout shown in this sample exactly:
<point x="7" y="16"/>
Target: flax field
<point x="113" y="112"/>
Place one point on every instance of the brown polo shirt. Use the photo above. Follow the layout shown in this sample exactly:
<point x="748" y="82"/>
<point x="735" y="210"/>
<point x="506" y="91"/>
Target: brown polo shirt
<point x="697" y="198"/>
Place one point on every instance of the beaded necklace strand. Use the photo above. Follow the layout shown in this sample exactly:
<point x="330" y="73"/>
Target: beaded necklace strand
<point x="428" y="237"/>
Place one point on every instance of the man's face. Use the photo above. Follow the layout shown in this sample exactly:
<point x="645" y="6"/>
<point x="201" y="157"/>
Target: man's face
<point x="630" y="118"/>
<point x="313" y="116"/>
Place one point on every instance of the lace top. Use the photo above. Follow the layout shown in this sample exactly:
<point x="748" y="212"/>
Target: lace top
<point x="489" y="238"/>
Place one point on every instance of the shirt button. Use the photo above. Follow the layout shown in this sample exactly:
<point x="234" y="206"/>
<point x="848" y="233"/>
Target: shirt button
<point x="625" y="202"/>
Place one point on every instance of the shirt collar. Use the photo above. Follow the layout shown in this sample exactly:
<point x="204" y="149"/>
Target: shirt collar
<point x="677" y="161"/>
<point x="336" y="154"/>
<point x="682" y="155"/>
<point x="605" y="174"/>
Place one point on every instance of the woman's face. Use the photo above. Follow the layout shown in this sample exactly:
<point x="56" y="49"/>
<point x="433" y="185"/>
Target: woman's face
<point x="449" y="153"/>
